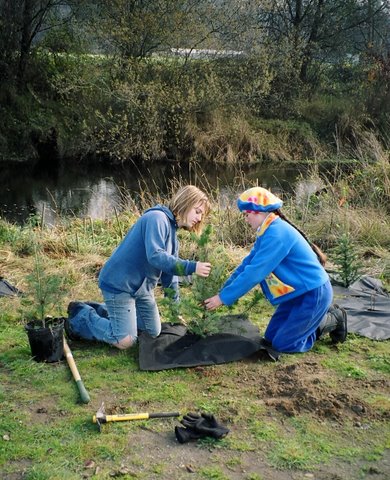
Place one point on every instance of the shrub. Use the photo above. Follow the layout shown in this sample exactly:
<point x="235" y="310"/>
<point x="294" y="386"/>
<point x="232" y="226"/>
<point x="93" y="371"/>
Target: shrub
<point x="347" y="262"/>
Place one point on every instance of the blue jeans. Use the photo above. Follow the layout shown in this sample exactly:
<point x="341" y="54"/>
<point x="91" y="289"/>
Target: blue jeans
<point x="293" y="325"/>
<point x="120" y="315"/>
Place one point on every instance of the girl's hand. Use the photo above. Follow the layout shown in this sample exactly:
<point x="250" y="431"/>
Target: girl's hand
<point x="213" y="302"/>
<point x="203" y="269"/>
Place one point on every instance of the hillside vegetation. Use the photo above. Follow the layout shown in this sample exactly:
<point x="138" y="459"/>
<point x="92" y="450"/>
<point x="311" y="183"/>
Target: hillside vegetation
<point x="102" y="81"/>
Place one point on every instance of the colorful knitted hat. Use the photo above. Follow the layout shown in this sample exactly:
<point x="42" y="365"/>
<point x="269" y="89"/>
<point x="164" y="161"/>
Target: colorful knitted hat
<point x="258" y="199"/>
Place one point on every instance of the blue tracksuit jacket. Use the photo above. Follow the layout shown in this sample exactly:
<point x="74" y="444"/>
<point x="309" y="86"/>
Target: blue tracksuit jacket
<point x="281" y="261"/>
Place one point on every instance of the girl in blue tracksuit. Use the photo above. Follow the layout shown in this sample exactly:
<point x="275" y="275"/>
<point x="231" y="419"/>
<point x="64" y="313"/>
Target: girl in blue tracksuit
<point x="147" y="254"/>
<point x="291" y="274"/>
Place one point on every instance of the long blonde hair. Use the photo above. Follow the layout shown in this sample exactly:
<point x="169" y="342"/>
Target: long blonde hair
<point x="187" y="198"/>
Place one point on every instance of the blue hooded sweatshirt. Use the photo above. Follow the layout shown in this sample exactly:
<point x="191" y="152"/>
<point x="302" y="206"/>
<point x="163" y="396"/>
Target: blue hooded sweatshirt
<point x="147" y="254"/>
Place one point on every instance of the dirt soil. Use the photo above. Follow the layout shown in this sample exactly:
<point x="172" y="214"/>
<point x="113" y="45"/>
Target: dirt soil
<point x="292" y="390"/>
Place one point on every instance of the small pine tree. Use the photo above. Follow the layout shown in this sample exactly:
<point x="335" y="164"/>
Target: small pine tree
<point x="199" y="320"/>
<point x="172" y="308"/>
<point x="257" y="297"/>
<point x="202" y="321"/>
<point x="45" y="290"/>
<point x="346" y="260"/>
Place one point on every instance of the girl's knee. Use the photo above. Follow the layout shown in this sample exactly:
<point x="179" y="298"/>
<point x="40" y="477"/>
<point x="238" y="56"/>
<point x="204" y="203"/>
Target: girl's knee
<point x="155" y="331"/>
<point x="293" y="346"/>
<point x="282" y="347"/>
<point x="125" y="343"/>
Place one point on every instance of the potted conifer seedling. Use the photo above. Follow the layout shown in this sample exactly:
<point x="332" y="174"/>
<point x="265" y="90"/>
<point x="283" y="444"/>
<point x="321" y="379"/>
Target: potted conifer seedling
<point x="45" y="332"/>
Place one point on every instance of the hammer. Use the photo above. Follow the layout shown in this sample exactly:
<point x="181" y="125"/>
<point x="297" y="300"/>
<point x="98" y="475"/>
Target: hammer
<point x="101" y="416"/>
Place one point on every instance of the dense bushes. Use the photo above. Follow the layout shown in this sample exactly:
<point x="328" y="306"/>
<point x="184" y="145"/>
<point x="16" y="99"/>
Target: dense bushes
<point x="226" y="110"/>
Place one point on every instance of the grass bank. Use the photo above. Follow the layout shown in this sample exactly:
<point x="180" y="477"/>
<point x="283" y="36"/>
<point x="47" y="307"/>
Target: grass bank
<point x="324" y="414"/>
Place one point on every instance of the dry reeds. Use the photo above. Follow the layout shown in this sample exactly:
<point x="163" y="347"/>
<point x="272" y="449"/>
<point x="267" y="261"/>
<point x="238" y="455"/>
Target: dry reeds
<point x="354" y="203"/>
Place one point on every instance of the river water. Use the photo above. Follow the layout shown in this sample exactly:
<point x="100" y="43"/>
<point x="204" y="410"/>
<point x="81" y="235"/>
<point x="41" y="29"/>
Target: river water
<point x="96" y="192"/>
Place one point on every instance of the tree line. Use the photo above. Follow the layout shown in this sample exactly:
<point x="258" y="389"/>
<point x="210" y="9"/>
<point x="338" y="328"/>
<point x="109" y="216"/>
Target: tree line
<point x="286" y="53"/>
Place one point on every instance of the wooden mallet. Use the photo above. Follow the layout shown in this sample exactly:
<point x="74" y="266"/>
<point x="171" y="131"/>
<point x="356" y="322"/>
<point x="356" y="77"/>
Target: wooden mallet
<point x="72" y="365"/>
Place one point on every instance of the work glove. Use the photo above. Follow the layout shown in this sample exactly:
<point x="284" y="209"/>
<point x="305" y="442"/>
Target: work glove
<point x="185" y="435"/>
<point x="205" y="424"/>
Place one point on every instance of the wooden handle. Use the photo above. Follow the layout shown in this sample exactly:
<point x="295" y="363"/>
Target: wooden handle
<point x="76" y="375"/>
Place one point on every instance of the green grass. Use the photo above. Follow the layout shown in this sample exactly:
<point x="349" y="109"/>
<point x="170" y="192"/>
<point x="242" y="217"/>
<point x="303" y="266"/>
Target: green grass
<point x="51" y="433"/>
<point x="46" y="433"/>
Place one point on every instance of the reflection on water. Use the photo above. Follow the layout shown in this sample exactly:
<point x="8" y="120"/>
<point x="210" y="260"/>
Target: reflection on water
<point x="96" y="193"/>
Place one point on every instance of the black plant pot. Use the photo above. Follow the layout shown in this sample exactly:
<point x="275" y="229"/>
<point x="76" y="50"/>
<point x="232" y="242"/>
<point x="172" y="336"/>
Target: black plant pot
<point x="46" y="342"/>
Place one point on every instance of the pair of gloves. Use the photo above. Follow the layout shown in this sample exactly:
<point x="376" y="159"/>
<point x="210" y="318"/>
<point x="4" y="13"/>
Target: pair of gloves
<point x="199" y="426"/>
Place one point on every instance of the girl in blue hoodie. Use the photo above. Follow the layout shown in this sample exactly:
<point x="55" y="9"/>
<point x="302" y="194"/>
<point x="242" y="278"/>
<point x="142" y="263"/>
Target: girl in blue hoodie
<point x="291" y="274"/>
<point x="147" y="254"/>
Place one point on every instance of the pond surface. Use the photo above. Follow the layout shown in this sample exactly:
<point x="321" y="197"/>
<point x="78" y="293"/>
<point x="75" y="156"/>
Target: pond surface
<point x="96" y="192"/>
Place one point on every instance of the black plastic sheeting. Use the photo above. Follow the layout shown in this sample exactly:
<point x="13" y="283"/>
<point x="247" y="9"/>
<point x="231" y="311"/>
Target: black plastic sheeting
<point x="367" y="305"/>
<point x="6" y="289"/>
<point x="366" y="301"/>
<point x="174" y="347"/>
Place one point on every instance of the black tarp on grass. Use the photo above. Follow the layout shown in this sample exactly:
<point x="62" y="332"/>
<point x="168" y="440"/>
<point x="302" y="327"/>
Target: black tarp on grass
<point x="367" y="305"/>
<point x="6" y="289"/>
<point x="176" y="348"/>
<point x="366" y="302"/>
